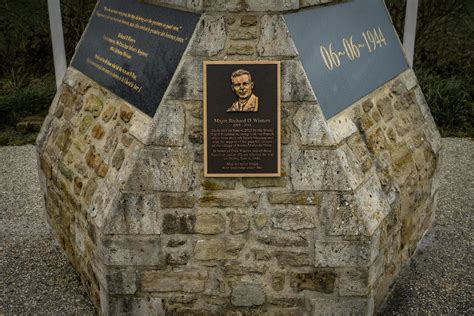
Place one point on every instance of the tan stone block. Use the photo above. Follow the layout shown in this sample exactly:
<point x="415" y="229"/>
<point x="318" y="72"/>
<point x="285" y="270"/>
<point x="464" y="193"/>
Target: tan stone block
<point x="108" y="113"/>
<point x="260" y="220"/>
<point x="176" y="200"/>
<point x="248" y="20"/>
<point x="294" y="218"/>
<point x="376" y="141"/>
<point x="210" y="184"/>
<point x="176" y="223"/>
<point x="311" y="125"/>
<point x="385" y="107"/>
<point x="94" y="105"/>
<point x="341" y="306"/>
<point x="367" y="105"/>
<point x="233" y="199"/>
<point x="292" y="259"/>
<point x="278" y="281"/>
<point x="98" y="131"/>
<point x="209" y="223"/>
<point x="86" y="123"/>
<point x="318" y="281"/>
<point x="354" y="282"/>
<point x="403" y="124"/>
<point x="128" y="250"/>
<point x="274" y="38"/>
<point x="239" y="223"/>
<point x="186" y="282"/>
<point x="118" y="158"/>
<point x="126" y="113"/>
<point x="235" y="268"/>
<point x="126" y="140"/>
<point x="283" y="239"/>
<point x="78" y="184"/>
<point x="376" y="116"/>
<point x="366" y="122"/>
<point x="248" y="294"/>
<point x="218" y="249"/>
<point x="294" y="198"/>
<point x="241" y="48"/>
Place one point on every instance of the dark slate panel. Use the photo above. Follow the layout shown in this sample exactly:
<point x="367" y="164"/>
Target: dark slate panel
<point x="337" y="80"/>
<point x="133" y="49"/>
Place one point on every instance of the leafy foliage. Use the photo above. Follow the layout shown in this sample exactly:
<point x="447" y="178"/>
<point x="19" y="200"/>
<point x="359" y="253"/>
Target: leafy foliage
<point x="27" y="83"/>
<point x="444" y="60"/>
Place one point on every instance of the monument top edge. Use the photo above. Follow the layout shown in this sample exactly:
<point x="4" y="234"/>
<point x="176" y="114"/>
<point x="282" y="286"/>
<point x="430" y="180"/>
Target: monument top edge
<point x="239" y="6"/>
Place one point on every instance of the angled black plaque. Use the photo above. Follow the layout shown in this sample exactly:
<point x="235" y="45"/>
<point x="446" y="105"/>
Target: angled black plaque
<point x="133" y="49"/>
<point x="348" y="50"/>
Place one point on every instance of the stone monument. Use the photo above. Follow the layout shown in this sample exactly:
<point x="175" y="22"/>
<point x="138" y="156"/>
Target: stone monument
<point x="122" y="157"/>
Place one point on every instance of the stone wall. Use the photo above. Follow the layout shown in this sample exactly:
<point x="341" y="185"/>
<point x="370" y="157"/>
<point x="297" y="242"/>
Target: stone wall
<point x="148" y="234"/>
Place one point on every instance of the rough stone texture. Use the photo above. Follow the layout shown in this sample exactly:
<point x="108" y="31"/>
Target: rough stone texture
<point x="148" y="234"/>
<point x="248" y="294"/>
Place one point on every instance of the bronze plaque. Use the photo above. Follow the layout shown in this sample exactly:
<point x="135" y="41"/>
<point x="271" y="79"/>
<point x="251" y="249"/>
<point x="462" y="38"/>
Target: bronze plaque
<point x="242" y="119"/>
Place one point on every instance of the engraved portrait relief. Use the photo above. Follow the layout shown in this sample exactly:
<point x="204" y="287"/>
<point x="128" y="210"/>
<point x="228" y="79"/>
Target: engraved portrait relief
<point x="242" y="86"/>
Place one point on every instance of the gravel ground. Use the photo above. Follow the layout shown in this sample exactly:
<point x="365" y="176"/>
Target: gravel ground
<point x="36" y="278"/>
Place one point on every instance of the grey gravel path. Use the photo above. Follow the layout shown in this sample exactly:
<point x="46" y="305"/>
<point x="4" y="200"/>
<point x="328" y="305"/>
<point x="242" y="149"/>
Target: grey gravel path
<point x="35" y="277"/>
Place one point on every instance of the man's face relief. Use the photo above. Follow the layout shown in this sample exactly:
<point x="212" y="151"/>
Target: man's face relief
<point x="242" y="86"/>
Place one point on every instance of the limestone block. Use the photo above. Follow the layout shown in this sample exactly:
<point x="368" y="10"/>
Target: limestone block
<point x="135" y="214"/>
<point x="312" y="127"/>
<point x="248" y="294"/>
<point x="341" y="306"/>
<point x="114" y="280"/>
<point x="176" y="223"/>
<point x="346" y="253"/>
<point x="210" y="36"/>
<point x="223" y="5"/>
<point x="324" y="170"/>
<point x="248" y="20"/>
<point x="357" y="214"/>
<point x="239" y="222"/>
<point x="283" y="239"/>
<point x="243" y="48"/>
<point x="126" y="250"/>
<point x="292" y="259"/>
<point x="294" y="218"/>
<point x="264" y="182"/>
<point x="214" y="184"/>
<point x="295" y="198"/>
<point x="136" y="306"/>
<point x="179" y="281"/>
<point x="275" y="38"/>
<point x="218" y="249"/>
<point x="410" y="79"/>
<point x="354" y="282"/>
<point x="209" y="222"/>
<point x="231" y="199"/>
<point x="275" y="5"/>
<point x="384" y="105"/>
<point x="295" y="85"/>
<point x="318" y="281"/>
<point x="169" y="126"/>
<point x="162" y="169"/>
<point x="177" y="200"/>
<point x="187" y="81"/>
<point x="342" y="126"/>
<point x="140" y="127"/>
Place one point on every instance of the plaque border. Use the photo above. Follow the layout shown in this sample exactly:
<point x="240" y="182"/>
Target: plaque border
<point x="278" y="78"/>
